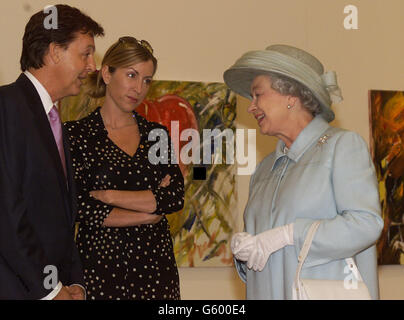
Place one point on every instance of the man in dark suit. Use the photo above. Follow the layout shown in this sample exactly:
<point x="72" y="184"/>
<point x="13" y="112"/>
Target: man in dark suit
<point x="38" y="256"/>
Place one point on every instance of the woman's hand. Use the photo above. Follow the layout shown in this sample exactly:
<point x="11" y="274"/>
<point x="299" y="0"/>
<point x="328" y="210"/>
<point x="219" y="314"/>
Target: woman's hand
<point x="106" y="196"/>
<point x="150" y="218"/>
<point x="165" y="182"/>
<point x="241" y="252"/>
<point x="255" y="250"/>
<point x="261" y="246"/>
<point x="102" y="195"/>
<point x="114" y="197"/>
<point x="125" y="218"/>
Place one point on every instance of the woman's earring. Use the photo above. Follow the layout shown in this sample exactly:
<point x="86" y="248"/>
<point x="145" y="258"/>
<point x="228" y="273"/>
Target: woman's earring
<point x="289" y="106"/>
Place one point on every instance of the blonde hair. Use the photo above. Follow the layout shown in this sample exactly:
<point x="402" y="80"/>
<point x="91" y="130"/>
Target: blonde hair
<point x="123" y="53"/>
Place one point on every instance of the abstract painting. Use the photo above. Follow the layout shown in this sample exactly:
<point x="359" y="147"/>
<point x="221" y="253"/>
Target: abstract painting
<point x="201" y="231"/>
<point x="387" y="148"/>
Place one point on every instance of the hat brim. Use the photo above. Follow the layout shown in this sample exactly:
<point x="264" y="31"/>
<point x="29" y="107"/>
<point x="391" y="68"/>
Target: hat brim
<point x="240" y="79"/>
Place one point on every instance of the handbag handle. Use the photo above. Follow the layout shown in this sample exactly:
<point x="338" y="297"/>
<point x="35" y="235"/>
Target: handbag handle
<point x="305" y="250"/>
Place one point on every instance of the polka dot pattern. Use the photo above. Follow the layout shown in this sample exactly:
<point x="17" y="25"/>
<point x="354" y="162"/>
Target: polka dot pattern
<point x="130" y="262"/>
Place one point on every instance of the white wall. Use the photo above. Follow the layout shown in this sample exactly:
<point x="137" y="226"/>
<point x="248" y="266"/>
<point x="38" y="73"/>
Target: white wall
<point x="198" y="40"/>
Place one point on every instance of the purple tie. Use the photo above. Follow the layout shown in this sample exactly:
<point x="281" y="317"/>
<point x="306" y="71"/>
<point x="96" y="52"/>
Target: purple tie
<point x="56" y="126"/>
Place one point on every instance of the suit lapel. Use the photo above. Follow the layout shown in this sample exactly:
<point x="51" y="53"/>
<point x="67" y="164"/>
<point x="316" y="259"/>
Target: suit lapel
<point x="70" y="178"/>
<point x="42" y="125"/>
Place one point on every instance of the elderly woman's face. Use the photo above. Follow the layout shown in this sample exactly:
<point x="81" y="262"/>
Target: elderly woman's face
<point x="268" y="106"/>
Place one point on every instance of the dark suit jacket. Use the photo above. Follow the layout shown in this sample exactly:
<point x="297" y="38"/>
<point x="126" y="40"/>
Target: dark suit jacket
<point x="37" y="209"/>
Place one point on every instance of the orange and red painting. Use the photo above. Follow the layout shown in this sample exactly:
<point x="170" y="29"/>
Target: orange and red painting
<point x="387" y="148"/>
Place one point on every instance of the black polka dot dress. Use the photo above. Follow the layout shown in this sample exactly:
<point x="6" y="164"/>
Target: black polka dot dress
<point x="129" y="262"/>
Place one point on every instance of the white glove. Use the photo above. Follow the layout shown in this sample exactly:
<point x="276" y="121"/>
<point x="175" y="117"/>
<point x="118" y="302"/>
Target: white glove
<point x="258" y="248"/>
<point x="237" y="239"/>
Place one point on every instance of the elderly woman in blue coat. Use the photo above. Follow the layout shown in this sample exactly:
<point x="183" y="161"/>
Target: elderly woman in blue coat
<point x="317" y="172"/>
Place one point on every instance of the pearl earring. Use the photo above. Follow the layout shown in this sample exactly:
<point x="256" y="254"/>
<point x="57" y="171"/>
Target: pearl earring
<point x="289" y="106"/>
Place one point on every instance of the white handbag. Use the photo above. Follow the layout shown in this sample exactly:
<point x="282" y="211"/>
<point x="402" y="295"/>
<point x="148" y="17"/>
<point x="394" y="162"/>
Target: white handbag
<point x="316" y="289"/>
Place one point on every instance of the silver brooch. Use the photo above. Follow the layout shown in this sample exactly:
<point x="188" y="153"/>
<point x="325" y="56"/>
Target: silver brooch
<point x="323" y="139"/>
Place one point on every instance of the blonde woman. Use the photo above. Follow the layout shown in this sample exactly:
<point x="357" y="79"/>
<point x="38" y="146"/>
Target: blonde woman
<point x="124" y="239"/>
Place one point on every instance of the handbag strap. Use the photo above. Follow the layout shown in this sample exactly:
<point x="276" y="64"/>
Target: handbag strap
<point x="305" y="250"/>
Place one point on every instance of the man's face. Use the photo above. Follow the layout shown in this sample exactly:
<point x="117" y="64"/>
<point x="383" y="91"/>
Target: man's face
<point x="76" y="61"/>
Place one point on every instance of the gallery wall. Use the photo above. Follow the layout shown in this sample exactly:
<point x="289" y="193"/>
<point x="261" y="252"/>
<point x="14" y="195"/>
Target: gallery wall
<point x="198" y="40"/>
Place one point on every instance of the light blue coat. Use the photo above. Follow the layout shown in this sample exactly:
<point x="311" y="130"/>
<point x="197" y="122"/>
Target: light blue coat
<point x="327" y="174"/>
